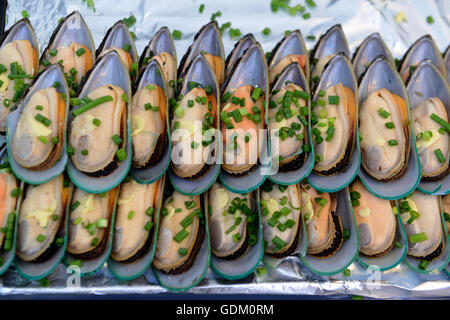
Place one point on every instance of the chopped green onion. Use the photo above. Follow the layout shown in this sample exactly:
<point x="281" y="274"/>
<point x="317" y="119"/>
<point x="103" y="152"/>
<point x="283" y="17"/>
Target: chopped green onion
<point x="80" y="52"/>
<point x="92" y="104"/>
<point x="439" y="155"/>
<point x="419" y="237"/>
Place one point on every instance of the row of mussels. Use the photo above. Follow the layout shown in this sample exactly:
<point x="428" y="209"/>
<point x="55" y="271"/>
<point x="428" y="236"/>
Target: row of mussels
<point x="117" y="123"/>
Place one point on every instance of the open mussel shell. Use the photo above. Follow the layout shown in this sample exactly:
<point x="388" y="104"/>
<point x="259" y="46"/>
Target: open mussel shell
<point x="201" y="72"/>
<point x="89" y="266"/>
<point x="291" y="48"/>
<point x="207" y="41"/>
<point x="162" y="48"/>
<point x="244" y="264"/>
<point x="8" y="218"/>
<point x="47" y="79"/>
<point x="423" y="48"/>
<point x="119" y="38"/>
<point x="381" y="75"/>
<point x="18" y="44"/>
<point x="108" y="70"/>
<point x="427" y="82"/>
<point x="293" y="74"/>
<point x="382" y="235"/>
<point x="251" y="70"/>
<point x="72" y="31"/>
<point x="339" y="71"/>
<point x="349" y="250"/>
<point x="330" y="43"/>
<point x="441" y="262"/>
<point x="371" y="48"/>
<point x="239" y="49"/>
<point x="53" y="255"/>
<point x="447" y="61"/>
<point x="189" y="278"/>
<point x="126" y="271"/>
<point x="153" y="75"/>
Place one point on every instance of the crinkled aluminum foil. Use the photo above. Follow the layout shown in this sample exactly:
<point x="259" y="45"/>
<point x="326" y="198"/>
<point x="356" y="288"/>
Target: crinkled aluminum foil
<point x="358" y="18"/>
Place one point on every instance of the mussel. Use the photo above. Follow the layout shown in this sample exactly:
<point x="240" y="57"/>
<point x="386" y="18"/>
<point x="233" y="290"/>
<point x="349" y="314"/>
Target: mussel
<point x="323" y="225"/>
<point x="90" y="220"/>
<point x="375" y="219"/>
<point x="423" y="48"/>
<point x="119" y="39"/>
<point x="71" y="45"/>
<point x="149" y="117"/>
<point x="421" y="217"/>
<point x="194" y="121"/>
<point x="162" y="49"/>
<point x="41" y="223"/>
<point x="332" y="42"/>
<point x="9" y="193"/>
<point x="334" y="114"/>
<point x="18" y="65"/>
<point x="39" y="136"/>
<point x="290" y="49"/>
<point x="429" y="96"/>
<point x="281" y="218"/>
<point x="288" y="118"/>
<point x="135" y="220"/>
<point x="180" y="234"/>
<point x="207" y="42"/>
<point x="232" y="223"/>
<point x="243" y="112"/>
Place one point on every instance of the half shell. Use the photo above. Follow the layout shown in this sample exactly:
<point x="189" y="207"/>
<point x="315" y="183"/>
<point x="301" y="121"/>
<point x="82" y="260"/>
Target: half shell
<point x="371" y="48"/>
<point x="41" y="220"/>
<point x="162" y="48"/>
<point x="72" y="46"/>
<point x="332" y="42"/>
<point x="281" y="219"/>
<point x="19" y="45"/>
<point x="375" y="219"/>
<point x="423" y="48"/>
<point x="421" y="216"/>
<point x="208" y="42"/>
<point x="90" y="220"/>
<point x="119" y="39"/>
<point x="429" y="94"/>
<point x="325" y="232"/>
<point x="290" y="49"/>
<point x="135" y="221"/>
<point x="180" y="235"/>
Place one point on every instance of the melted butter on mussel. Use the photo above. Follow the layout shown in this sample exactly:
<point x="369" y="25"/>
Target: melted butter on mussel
<point x="334" y="134"/>
<point x="97" y="139"/>
<point x="7" y="202"/>
<point x="280" y="207"/>
<point x="167" y="62"/>
<point x="76" y="57"/>
<point x="228" y="224"/>
<point x="41" y="216"/>
<point x="187" y="138"/>
<point x="180" y="234"/>
<point x="429" y="139"/>
<point x="384" y="135"/>
<point x="22" y="52"/>
<point x="375" y="220"/>
<point x="289" y="134"/>
<point x="276" y="69"/>
<point x="125" y="56"/>
<point x="38" y="140"/>
<point x="240" y="156"/>
<point x="422" y="220"/>
<point x="322" y="224"/>
<point x="148" y="125"/>
<point x="135" y="215"/>
<point x="89" y="222"/>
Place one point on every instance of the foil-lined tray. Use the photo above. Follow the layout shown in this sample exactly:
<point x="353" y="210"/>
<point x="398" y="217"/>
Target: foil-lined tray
<point x="358" y="18"/>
